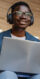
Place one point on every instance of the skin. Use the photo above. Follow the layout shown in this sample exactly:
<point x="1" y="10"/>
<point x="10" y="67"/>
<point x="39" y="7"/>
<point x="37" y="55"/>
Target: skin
<point x="20" y="23"/>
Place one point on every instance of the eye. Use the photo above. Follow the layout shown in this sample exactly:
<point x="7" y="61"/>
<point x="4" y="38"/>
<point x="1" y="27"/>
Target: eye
<point x="28" y="14"/>
<point x="18" y="12"/>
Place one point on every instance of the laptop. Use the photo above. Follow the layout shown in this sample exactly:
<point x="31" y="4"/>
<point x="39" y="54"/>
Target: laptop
<point x="20" y="56"/>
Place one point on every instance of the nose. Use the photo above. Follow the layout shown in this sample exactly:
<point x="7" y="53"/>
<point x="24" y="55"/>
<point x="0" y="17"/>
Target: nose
<point x="23" y="16"/>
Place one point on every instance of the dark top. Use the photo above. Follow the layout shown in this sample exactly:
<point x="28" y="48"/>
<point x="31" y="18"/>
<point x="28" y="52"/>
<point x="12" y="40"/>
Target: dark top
<point x="8" y="34"/>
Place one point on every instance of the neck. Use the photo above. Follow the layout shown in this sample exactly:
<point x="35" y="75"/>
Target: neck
<point x="19" y="32"/>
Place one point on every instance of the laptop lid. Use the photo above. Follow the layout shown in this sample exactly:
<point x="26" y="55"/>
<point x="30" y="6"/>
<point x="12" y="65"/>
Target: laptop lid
<point x="20" y="56"/>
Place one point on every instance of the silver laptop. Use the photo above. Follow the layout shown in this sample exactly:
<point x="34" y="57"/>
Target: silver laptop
<point x="20" y="55"/>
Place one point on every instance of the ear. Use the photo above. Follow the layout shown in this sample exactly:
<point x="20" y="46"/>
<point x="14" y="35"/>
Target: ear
<point x="32" y="20"/>
<point x="10" y="19"/>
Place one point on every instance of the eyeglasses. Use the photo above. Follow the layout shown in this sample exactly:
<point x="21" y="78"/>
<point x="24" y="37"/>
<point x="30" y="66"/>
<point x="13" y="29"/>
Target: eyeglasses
<point x="20" y="13"/>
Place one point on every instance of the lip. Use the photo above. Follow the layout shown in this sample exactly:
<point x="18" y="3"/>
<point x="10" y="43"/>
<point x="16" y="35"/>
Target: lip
<point x="23" y="22"/>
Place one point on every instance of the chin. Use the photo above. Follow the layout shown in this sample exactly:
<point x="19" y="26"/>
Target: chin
<point x="22" y="26"/>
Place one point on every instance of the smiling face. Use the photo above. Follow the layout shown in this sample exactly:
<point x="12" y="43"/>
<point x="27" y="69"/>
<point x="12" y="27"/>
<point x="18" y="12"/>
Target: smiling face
<point x="21" y="16"/>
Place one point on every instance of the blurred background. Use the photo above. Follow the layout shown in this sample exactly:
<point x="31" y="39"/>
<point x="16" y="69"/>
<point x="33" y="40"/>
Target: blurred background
<point x="35" y="7"/>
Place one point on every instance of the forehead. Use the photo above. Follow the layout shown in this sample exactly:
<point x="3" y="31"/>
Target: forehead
<point x="22" y="8"/>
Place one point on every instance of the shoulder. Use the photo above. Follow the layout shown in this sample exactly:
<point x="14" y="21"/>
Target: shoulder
<point x="5" y="33"/>
<point x="31" y="37"/>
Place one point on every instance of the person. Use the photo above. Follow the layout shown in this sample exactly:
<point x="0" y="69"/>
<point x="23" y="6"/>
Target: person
<point x="36" y="76"/>
<point x="20" y="17"/>
<point x="8" y="75"/>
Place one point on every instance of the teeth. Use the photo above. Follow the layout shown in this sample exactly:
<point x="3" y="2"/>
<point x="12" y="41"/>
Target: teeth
<point x="22" y="22"/>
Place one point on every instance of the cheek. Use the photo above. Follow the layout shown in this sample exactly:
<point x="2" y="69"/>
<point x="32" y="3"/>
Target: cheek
<point x="29" y="21"/>
<point x="15" y="18"/>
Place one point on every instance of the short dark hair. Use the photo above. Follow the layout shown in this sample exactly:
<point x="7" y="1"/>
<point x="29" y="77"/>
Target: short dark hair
<point x="20" y="3"/>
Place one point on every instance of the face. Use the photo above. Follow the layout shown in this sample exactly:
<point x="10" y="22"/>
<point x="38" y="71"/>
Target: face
<point x="21" y="16"/>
